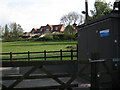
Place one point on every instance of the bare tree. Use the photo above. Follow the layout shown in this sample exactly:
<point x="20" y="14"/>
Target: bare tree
<point x="71" y="18"/>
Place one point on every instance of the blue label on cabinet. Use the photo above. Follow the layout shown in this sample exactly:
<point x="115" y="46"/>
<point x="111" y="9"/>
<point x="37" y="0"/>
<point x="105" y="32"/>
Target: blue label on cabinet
<point x="104" y="33"/>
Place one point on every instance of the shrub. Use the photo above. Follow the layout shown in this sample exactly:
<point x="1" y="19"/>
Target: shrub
<point x="25" y="36"/>
<point x="75" y="36"/>
<point x="22" y="39"/>
<point x="45" y="38"/>
<point x="41" y="39"/>
<point x="10" y="39"/>
<point x="55" y="37"/>
<point x="48" y="37"/>
<point x="36" y="36"/>
<point x="59" y="36"/>
<point x="68" y="37"/>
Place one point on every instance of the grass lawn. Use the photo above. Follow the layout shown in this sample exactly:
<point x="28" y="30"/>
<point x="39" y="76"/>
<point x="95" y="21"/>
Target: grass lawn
<point x="37" y="46"/>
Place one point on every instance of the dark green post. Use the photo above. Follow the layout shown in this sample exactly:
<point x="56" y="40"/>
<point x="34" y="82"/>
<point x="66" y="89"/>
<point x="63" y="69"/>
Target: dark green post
<point x="28" y="56"/>
<point x="61" y="54"/>
<point x="45" y="54"/>
<point x="10" y="56"/>
<point x="71" y="54"/>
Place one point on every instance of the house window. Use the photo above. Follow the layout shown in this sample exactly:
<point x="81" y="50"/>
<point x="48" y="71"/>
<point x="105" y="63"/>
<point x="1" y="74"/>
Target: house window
<point x="32" y="32"/>
<point x="39" y="34"/>
<point x="41" y="29"/>
<point x="47" y="29"/>
<point x="56" y="28"/>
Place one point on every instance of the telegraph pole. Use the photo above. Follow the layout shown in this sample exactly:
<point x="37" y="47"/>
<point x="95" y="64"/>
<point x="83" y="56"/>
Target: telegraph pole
<point x="86" y="10"/>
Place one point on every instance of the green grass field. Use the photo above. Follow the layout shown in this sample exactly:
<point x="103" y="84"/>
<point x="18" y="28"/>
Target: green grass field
<point x="37" y="46"/>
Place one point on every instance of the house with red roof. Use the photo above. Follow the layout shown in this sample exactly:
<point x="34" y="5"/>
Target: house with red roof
<point x="47" y="29"/>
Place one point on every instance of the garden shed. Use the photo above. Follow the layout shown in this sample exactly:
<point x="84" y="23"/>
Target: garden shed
<point x="100" y="38"/>
<point x="99" y="41"/>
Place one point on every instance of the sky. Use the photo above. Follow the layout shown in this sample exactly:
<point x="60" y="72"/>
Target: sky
<point x="35" y="13"/>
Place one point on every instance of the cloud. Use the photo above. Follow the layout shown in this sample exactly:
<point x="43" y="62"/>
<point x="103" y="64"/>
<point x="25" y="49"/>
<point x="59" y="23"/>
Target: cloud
<point x="35" y="13"/>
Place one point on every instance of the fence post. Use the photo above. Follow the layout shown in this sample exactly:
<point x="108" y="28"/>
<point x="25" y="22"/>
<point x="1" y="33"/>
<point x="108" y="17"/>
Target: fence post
<point x="61" y="54"/>
<point x="45" y="54"/>
<point x="28" y="56"/>
<point x="71" y="54"/>
<point x="10" y="56"/>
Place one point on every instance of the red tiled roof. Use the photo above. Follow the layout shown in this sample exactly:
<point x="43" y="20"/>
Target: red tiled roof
<point x="52" y="28"/>
<point x="35" y="29"/>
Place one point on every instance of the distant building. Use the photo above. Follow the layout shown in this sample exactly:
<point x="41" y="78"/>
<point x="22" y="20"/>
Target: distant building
<point x="47" y="29"/>
<point x="26" y="34"/>
<point x="34" y="32"/>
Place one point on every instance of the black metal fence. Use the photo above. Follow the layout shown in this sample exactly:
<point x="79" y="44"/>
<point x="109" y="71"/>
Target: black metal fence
<point x="45" y="55"/>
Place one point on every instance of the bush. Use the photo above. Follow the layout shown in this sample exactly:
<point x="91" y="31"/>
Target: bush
<point x="58" y="36"/>
<point x="25" y="36"/>
<point x="68" y="37"/>
<point x="10" y="39"/>
<point x="36" y="36"/>
<point x="50" y="37"/>
<point x="55" y="37"/>
<point x="22" y="39"/>
<point x="46" y="38"/>
<point x="75" y="36"/>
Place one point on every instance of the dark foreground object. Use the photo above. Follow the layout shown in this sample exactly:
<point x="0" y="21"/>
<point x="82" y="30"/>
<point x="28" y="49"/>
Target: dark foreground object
<point x="100" y="38"/>
<point x="100" y="74"/>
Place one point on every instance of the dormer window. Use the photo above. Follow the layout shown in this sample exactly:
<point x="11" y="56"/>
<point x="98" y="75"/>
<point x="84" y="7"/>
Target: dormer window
<point x="56" y="28"/>
<point x="41" y="29"/>
<point x="47" y="29"/>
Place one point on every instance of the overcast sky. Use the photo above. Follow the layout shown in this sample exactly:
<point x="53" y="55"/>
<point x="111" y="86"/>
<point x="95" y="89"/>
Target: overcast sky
<point x="35" y="13"/>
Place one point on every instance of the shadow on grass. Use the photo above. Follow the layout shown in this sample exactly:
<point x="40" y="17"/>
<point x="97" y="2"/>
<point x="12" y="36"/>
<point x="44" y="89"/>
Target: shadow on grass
<point x="46" y="44"/>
